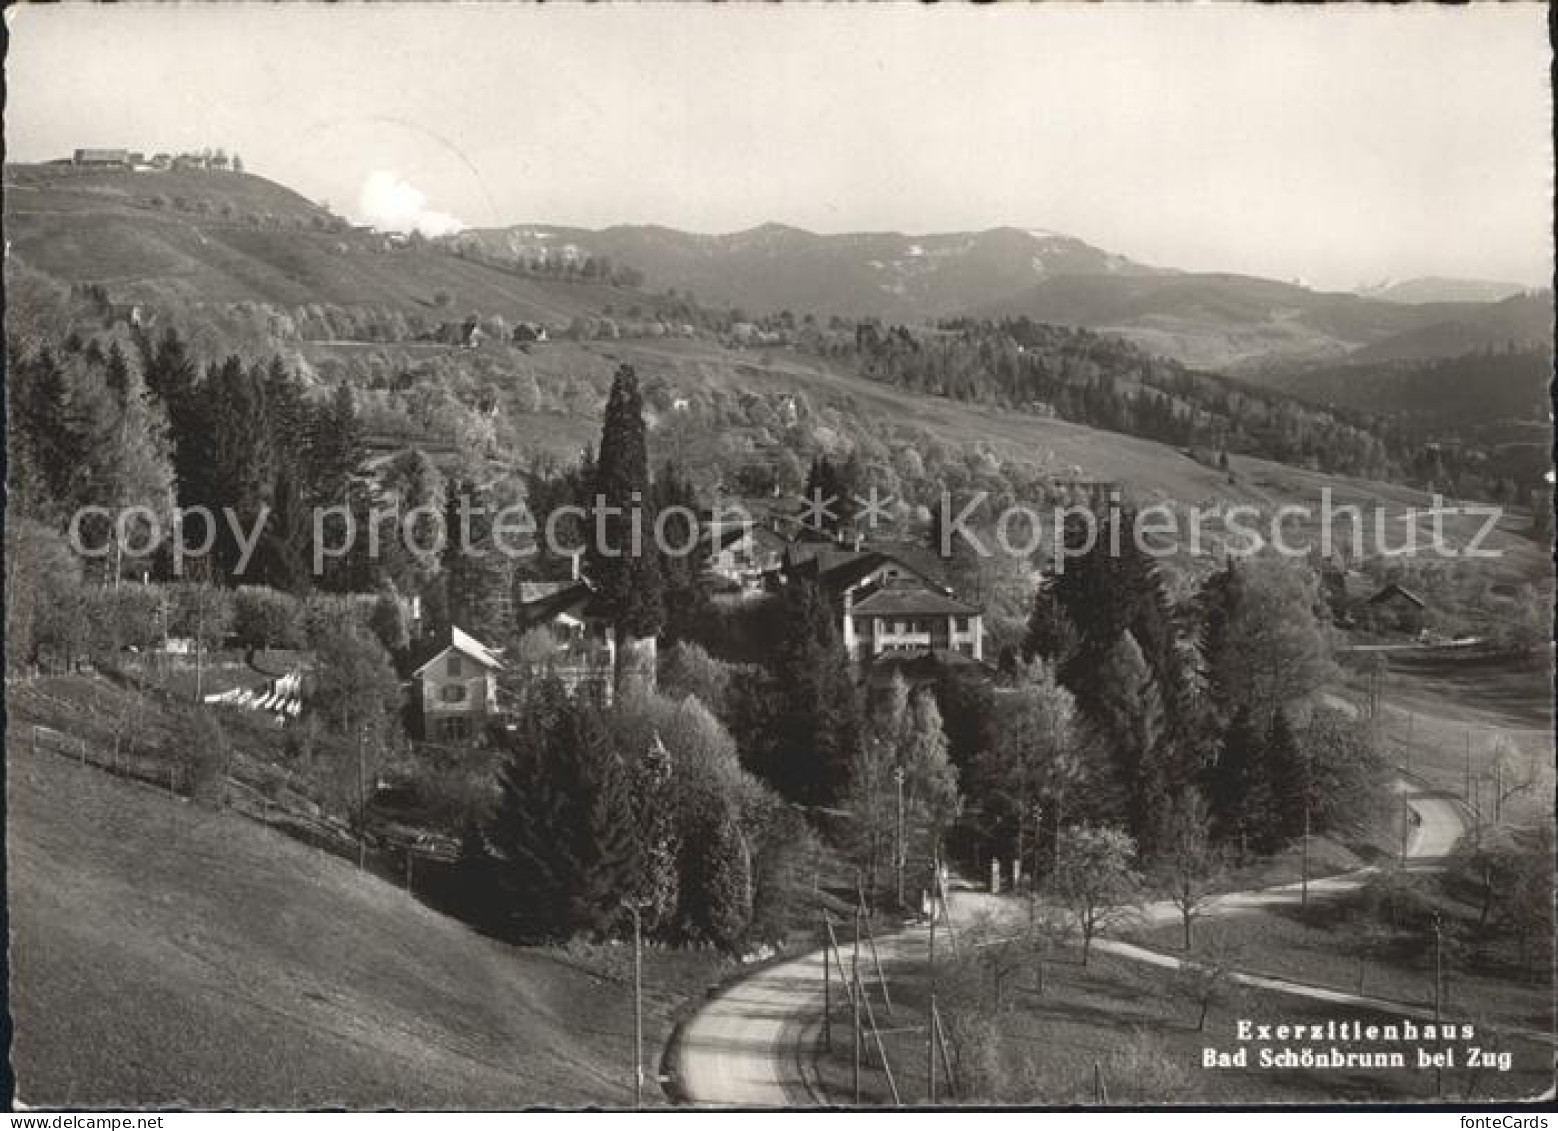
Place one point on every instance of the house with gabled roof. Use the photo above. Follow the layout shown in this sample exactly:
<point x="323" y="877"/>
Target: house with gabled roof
<point x="1395" y="607"/>
<point x="567" y="636"/>
<point x="891" y="603"/>
<point x="454" y="678"/>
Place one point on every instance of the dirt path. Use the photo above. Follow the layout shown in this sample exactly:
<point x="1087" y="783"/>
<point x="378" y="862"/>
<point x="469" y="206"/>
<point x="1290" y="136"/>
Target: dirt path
<point x="743" y="1047"/>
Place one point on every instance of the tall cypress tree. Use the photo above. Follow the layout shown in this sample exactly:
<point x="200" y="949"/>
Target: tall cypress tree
<point x="627" y="582"/>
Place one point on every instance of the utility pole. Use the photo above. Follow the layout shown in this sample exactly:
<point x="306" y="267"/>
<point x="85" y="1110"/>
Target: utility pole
<point x="857" y="990"/>
<point x="1438" y="990"/>
<point x="827" y="989"/>
<point x="635" y="908"/>
<point x="1033" y="880"/>
<point x="362" y="804"/>
<point x="1466" y="792"/>
<point x="898" y="776"/>
<point x="930" y="1021"/>
<point x="638" y="1009"/>
<point x="1405" y="827"/>
<point x="1303" y="891"/>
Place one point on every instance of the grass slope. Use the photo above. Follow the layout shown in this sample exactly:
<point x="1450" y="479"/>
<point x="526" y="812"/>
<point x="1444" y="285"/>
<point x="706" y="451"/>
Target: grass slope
<point x="74" y="226"/>
<point x="162" y="954"/>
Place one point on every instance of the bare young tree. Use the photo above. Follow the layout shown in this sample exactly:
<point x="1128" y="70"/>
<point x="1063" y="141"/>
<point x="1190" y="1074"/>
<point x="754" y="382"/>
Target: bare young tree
<point x="1094" y="879"/>
<point x="1206" y="978"/>
<point x="1190" y="870"/>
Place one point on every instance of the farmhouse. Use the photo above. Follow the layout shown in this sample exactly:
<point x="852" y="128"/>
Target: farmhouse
<point x="1395" y="607"/>
<point x="102" y="158"/>
<point x="455" y="682"/>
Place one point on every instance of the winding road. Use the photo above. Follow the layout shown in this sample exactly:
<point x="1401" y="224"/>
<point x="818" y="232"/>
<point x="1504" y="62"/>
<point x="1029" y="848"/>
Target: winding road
<point x="746" y="1046"/>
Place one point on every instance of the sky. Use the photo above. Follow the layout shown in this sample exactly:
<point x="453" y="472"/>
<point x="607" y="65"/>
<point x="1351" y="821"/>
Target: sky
<point x="1340" y="145"/>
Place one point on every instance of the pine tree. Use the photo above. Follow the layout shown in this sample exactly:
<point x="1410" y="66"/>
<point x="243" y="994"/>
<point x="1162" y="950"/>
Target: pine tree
<point x="659" y="846"/>
<point x="334" y="448"/>
<point x="52" y="444"/>
<point x="1051" y="636"/>
<point x="230" y="463"/>
<point x="117" y="372"/>
<point x="626" y="577"/>
<point x="1288" y="774"/>
<point x="931" y="796"/>
<point x="685" y="598"/>
<point x="818" y="721"/>
<point x="563" y="831"/>
<point x="1130" y="714"/>
<point x="1237" y="788"/>
<point x="478" y="575"/>
<point x="127" y="461"/>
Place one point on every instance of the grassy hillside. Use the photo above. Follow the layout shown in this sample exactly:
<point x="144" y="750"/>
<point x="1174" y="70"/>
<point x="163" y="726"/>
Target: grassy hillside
<point x="164" y="954"/>
<point x="206" y="237"/>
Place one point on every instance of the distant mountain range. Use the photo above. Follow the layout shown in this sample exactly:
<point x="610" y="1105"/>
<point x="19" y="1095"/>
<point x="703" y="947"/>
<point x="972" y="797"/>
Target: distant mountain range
<point x="1437" y="288"/>
<point x="1228" y="322"/>
<point x="213" y="238"/>
<point x="774" y="267"/>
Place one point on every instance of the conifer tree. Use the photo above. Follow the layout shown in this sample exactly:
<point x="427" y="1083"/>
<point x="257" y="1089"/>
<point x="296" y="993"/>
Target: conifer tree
<point x="478" y="575"/>
<point x="563" y="830"/>
<point x="627" y="578"/>
<point x="334" y="445"/>
<point x="230" y="462"/>
<point x="1289" y="784"/>
<point x="117" y="371"/>
<point x="818" y="722"/>
<point x="659" y="846"/>
<point x="685" y="598"/>
<point x="1237" y="787"/>
<point x="1051" y="636"/>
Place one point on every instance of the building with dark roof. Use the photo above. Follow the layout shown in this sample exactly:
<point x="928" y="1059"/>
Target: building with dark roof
<point x="567" y="636"/>
<point x="890" y="601"/>
<point x="901" y="614"/>
<point x="454" y="678"/>
<point x="1395" y="607"/>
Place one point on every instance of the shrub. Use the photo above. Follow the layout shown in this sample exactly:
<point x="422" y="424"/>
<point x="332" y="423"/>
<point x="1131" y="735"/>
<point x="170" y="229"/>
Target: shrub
<point x="266" y="618"/>
<point x="201" y="753"/>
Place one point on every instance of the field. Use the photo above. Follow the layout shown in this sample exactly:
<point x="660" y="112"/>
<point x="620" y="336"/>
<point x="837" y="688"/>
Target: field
<point x="1448" y="711"/>
<point x="1121" y="1024"/>
<point x="163" y="954"/>
<point x="241" y="238"/>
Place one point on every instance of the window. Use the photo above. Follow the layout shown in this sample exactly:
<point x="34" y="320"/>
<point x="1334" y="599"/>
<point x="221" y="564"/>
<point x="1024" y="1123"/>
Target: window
<point x="455" y="730"/>
<point x="454" y="665"/>
<point x="962" y="624"/>
<point x="453" y="693"/>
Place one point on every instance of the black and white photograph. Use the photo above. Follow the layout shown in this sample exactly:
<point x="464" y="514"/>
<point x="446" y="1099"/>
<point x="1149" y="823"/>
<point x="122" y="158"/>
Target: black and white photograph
<point x="777" y="556"/>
